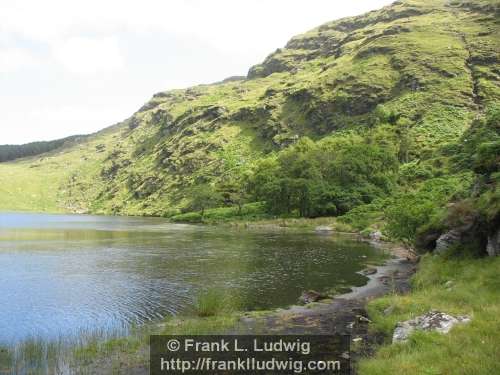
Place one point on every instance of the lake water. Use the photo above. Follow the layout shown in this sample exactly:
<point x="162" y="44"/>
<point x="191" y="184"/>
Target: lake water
<point x="61" y="274"/>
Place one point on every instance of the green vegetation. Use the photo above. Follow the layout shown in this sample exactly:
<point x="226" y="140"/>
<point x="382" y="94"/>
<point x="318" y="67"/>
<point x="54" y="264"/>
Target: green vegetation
<point x="402" y="82"/>
<point x="40" y="356"/>
<point x="327" y="178"/>
<point x="213" y="302"/>
<point x="12" y="152"/>
<point x="388" y="121"/>
<point x="247" y="212"/>
<point x="460" y="286"/>
<point x="59" y="181"/>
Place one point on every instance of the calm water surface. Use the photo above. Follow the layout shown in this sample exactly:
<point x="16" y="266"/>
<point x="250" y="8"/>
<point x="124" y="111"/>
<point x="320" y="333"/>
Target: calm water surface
<point x="60" y="274"/>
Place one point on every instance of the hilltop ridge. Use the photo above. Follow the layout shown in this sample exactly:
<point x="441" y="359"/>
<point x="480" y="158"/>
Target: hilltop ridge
<point x="422" y="70"/>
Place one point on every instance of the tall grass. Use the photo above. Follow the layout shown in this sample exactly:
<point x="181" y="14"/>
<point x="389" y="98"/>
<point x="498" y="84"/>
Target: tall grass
<point x="40" y="356"/>
<point x="213" y="302"/>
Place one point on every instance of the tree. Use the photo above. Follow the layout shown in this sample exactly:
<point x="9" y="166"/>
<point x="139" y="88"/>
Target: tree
<point x="232" y="192"/>
<point x="202" y="197"/>
<point x="329" y="177"/>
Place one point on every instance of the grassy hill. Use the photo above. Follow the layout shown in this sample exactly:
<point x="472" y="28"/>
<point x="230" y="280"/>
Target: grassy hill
<point x="389" y="121"/>
<point x="409" y="78"/>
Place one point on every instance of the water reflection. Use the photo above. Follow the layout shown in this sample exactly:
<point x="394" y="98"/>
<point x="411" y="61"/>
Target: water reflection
<point x="64" y="273"/>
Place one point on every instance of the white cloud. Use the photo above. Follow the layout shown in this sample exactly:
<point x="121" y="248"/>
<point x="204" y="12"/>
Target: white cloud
<point x="237" y="25"/>
<point x="14" y="59"/>
<point x="46" y="123"/>
<point x="97" y="61"/>
<point x="89" y="55"/>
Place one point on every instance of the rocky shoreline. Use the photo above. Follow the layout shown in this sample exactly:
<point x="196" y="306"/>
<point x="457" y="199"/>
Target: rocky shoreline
<point x="345" y="313"/>
<point x="342" y="314"/>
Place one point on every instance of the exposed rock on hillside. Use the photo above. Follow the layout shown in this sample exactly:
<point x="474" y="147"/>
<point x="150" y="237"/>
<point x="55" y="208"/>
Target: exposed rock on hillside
<point x="423" y="69"/>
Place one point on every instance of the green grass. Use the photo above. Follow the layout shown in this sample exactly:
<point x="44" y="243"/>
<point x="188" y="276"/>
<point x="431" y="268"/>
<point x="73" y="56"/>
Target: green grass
<point x="253" y="215"/>
<point x="41" y="356"/>
<point x="201" y="326"/>
<point x="473" y="348"/>
<point x="46" y="183"/>
<point x="29" y="189"/>
<point x="414" y="65"/>
<point x="212" y="302"/>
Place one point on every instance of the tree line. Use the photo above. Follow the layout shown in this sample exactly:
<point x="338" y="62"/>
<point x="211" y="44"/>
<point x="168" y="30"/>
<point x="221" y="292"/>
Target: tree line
<point x="12" y="152"/>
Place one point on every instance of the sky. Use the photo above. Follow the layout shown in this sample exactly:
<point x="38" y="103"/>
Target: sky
<point x="75" y="67"/>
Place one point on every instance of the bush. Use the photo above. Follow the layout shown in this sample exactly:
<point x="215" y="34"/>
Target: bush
<point x="414" y="171"/>
<point x="190" y="217"/>
<point x="407" y="215"/>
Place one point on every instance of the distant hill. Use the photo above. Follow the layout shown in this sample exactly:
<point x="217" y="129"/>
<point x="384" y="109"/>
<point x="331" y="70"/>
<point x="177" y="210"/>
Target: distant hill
<point x="405" y="82"/>
<point x="12" y="152"/>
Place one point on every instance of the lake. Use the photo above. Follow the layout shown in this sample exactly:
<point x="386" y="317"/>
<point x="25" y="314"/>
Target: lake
<point x="61" y="274"/>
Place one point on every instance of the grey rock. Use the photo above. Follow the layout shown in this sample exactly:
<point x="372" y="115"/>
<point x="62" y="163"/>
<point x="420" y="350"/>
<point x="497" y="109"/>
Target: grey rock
<point x="376" y="236"/>
<point x="445" y="241"/>
<point x="368" y="271"/>
<point x="388" y="311"/>
<point x="431" y="321"/>
<point x="363" y="319"/>
<point x="323" y="229"/>
<point x="493" y="246"/>
<point x="311" y="296"/>
<point x="133" y="123"/>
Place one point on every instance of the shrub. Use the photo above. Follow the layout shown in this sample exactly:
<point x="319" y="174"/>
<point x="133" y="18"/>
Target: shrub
<point x="190" y="217"/>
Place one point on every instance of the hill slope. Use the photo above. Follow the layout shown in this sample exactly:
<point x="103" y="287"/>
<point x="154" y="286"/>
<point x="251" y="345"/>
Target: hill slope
<point x="415" y="74"/>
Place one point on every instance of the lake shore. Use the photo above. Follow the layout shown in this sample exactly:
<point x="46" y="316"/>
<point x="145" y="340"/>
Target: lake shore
<point x="459" y="286"/>
<point x="343" y="314"/>
<point x="346" y="313"/>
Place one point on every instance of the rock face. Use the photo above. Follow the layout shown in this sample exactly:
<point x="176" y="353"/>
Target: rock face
<point x="493" y="246"/>
<point x="447" y="240"/>
<point x="431" y="321"/>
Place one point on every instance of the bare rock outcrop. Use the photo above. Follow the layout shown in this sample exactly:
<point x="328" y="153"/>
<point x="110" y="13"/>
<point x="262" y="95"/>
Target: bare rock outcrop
<point x="431" y="321"/>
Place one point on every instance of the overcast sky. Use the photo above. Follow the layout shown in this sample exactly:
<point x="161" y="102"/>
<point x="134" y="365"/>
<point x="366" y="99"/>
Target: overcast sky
<point x="73" y="67"/>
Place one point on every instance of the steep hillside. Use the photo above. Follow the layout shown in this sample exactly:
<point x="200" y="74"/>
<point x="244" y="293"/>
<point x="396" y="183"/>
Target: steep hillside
<point x="414" y="74"/>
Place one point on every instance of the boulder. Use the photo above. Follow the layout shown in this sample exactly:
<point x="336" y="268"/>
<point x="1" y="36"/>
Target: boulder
<point x="323" y="229"/>
<point x="369" y="271"/>
<point x="431" y="321"/>
<point x="446" y="240"/>
<point x="376" y="236"/>
<point x="493" y="246"/>
<point x="311" y="296"/>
